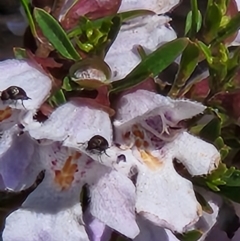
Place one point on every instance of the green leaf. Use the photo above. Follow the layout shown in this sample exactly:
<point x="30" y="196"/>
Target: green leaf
<point x="134" y="13"/>
<point x="206" y="51"/>
<point x="233" y="180"/>
<point x="57" y="99"/>
<point x="233" y="193"/>
<point x="152" y="65"/>
<point x="231" y="27"/>
<point x="196" y="19"/>
<point x="20" y="53"/>
<point x="112" y="34"/>
<point x="124" y="16"/>
<point x="188" y="24"/>
<point x="212" y="186"/>
<point x="193" y="235"/>
<point x="26" y="7"/>
<point x="219" y="142"/>
<point x="212" y="130"/>
<point x="188" y="63"/>
<point x="212" y="21"/>
<point x="53" y="31"/>
<point x="205" y="205"/>
<point x="66" y="84"/>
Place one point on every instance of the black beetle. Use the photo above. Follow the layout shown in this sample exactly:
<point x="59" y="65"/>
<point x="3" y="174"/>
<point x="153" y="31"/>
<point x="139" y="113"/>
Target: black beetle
<point x="14" y="93"/>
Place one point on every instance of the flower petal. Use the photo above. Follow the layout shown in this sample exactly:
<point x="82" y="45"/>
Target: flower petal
<point x="55" y="200"/>
<point x="163" y="195"/>
<point x="198" y="156"/>
<point x="113" y="202"/>
<point x="22" y="74"/>
<point x="152" y="103"/>
<point x="26" y="225"/>
<point x="149" y="32"/>
<point x="74" y="123"/>
<point x="96" y="230"/>
<point x="149" y="231"/>
<point x="16" y="154"/>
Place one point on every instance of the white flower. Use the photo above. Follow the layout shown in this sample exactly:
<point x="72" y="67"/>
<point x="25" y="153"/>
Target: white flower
<point x="150" y="138"/>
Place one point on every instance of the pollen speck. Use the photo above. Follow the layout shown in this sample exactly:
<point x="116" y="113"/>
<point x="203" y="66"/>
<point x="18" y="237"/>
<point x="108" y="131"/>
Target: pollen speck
<point x="151" y="161"/>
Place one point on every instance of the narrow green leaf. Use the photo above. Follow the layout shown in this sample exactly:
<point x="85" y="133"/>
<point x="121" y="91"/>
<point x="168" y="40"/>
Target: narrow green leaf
<point x="152" y="65"/>
<point x="57" y="99"/>
<point x="112" y="34"/>
<point x="66" y="84"/>
<point x="124" y="16"/>
<point x="232" y="27"/>
<point x="212" y="21"/>
<point x="233" y="193"/>
<point x="188" y="24"/>
<point x="26" y="7"/>
<point x="233" y="180"/>
<point x="188" y="63"/>
<point x="195" y="20"/>
<point x="212" y="186"/>
<point x="219" y="142"/>
<point x="212" y="130"/>
<point x="206" y="51"/>
<point x="134" y="13"/>
<point x="141" y="52"/>
<point x="53" y="31"/>
<point x="205" y="205"/>
<point x="218" y="182"/>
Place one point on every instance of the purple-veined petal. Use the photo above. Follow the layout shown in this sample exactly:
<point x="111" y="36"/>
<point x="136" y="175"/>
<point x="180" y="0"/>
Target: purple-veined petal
<point x="113" y="202"/>
<point x="158" y="6"/>
<point x="149" y="32"/>
<point x="96" y="230"/>
<point x="161" y="192"/>
<point x="22" y="74"/>
<point x="157" y="114"/>
<point x="53" y="209"/>
<point x="150" y="103"/>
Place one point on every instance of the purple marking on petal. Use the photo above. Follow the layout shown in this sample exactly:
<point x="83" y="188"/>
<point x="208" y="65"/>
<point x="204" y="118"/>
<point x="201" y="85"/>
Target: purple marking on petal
<point x="15" y="160"/>
<point x="168" y="116"/>
<point x="156" y="142"/>
<point x="156" y="123"/>
<point x="96" y="230"/>
<point x="44" y="235"/>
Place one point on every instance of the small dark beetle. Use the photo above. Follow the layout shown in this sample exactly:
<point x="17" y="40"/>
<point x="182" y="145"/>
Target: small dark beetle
<point x="97" y="144"/>
<point x="14" y="93"/>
